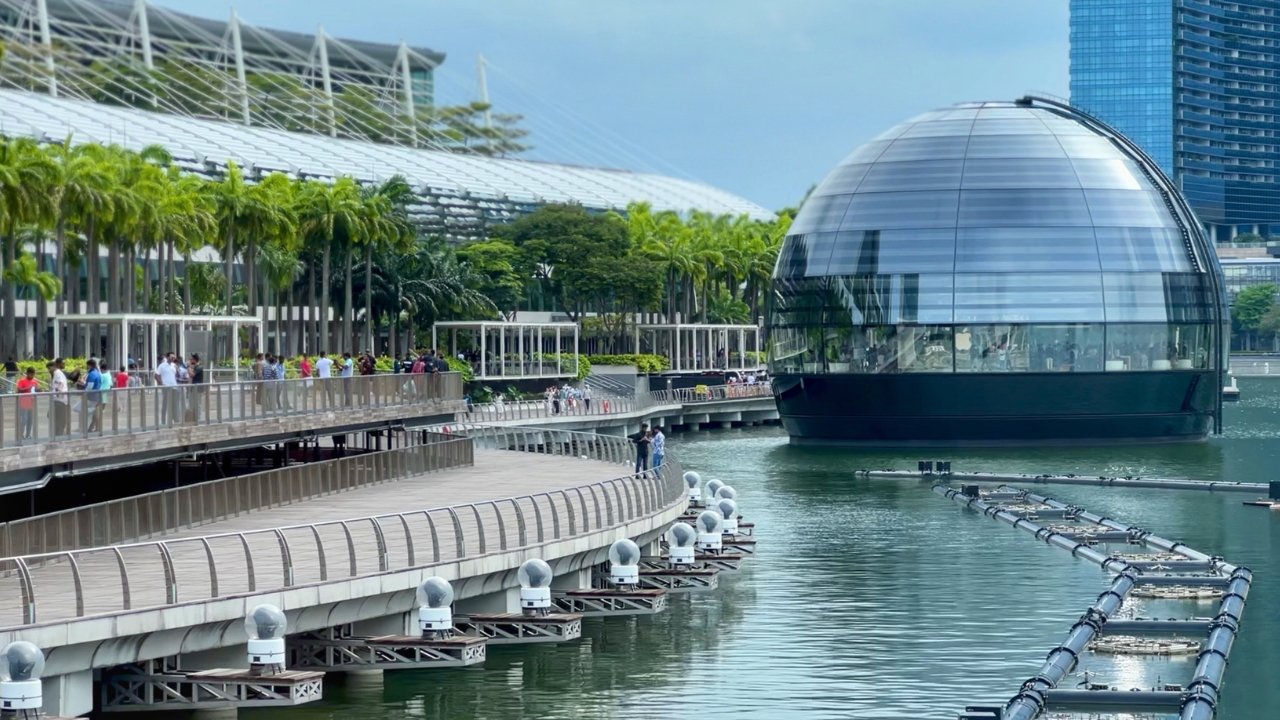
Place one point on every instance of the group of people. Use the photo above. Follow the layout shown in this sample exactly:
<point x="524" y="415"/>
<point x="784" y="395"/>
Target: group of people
<point x="95" y="381"/>
<point x="567" y="398"/>
<point x="650" y="443"/>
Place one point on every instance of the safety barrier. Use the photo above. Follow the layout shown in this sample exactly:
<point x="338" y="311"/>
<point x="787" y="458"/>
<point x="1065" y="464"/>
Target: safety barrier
<point x="49" y="587"/>
<point x="141" y="517"/>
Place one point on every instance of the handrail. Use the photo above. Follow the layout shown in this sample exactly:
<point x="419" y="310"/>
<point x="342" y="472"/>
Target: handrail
<point x="45" y="417"/>
<point x="167" y="511"/>
<point x="606" y="406"/>
<point x="48" y="596"/>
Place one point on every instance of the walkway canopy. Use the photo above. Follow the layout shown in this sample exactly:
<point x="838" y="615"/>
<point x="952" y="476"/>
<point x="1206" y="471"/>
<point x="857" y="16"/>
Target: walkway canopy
<point x="143" y="337"/>
<point x="512" y="350"/>
<point x="695" y="347"/>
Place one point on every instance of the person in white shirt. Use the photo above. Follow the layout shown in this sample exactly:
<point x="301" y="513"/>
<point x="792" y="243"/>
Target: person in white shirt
<point x="324" y="371"/>
<point x="167" y="379"/>
<point x="61" y="408"/>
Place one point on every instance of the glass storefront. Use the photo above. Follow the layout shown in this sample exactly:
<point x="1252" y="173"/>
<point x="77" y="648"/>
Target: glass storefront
<point x="1065" y="322"/>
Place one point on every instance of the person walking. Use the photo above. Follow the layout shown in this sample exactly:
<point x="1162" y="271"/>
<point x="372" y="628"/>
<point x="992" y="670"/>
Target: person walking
<point x="92" y="384"/>
<point x="348" y="371"/>
<point x="659" y="446"/>
<point x="642" y="441"/>
<point x="61" y="402"/>
<point x="324" y="373"/>
<point x="26" y="387"/>
<point x="167" y="378"/>
<point x="304" y="373"/>
<point x="586" y="398"/>
<point x="197" y="391"/>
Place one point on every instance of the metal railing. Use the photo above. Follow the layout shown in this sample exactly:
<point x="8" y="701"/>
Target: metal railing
<point x="712" y="393"/>
<point x="142" y="517"/>
<point x="28" y="419"/>
<point x="109" y="580"/>
<point x="534" y="409"/>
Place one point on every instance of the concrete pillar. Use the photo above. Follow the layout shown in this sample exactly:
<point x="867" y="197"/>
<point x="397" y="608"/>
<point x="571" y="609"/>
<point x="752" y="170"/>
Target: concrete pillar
<point x="501" y="601"/>
<point x="575" y="580"/>
<point x="69" y="695"/>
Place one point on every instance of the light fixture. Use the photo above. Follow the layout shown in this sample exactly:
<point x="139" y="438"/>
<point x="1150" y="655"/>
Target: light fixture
<point x="21" y="665"/>
<point x="729" y="511"/>
<point x="266" y="626"/>
<point x="680" y="540"/>
<point x="693" y="481"/>
<point x="727" y="492"/>
<point x="435" y="607"/>
<point x="713" y="486"/>
<point x="624" y="563"/>
<point x="535" y="586"/>
<point x="710" y="525"/>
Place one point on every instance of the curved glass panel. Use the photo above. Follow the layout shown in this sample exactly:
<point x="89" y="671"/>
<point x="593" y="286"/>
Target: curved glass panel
<point x="989" y="238"/>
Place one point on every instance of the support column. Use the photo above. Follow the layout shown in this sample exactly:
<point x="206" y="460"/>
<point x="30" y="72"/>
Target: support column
<point x="241" y="83"/>
<point x="484" y="354"/>
<point x="124" y="346"/>
<point x="502" y="352"/>
<point x="406" y="81"/>
<point x="144" y="34"/>
<point x="326" y="82"/>
<point x="46" y="43"/>
<point x="676" y="364"/>
<point x="69" y="695"/>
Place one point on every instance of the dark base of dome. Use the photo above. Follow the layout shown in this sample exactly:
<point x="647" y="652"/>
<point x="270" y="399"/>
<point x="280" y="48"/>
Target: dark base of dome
<point x="976" y="410"/>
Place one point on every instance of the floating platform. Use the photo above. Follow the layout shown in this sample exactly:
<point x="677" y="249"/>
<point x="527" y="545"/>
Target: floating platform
<point x="679" y="580"/>
<point x="518" y="628"/>
<point x="610" y="602"/>
<point x="337" y="651"/>
<point x="1131" y="645"/>
<point x="1176" y="592"/>
<point x="1155" y="626"/>
<point x="723" y="563"/>
<point x="738" y="545"/>
<point x="152" y="686"/>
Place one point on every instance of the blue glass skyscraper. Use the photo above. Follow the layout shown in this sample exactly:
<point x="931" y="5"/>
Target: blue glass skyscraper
<point x="1196" y="84"/>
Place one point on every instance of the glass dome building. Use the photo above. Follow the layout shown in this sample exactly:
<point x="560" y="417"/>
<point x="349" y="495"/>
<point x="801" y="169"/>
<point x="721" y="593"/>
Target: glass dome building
<point x="997" y="273"/>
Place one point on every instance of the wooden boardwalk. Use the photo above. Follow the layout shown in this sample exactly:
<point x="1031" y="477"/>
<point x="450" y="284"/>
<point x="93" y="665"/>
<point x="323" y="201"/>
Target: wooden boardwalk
<point x="247" y="554"/>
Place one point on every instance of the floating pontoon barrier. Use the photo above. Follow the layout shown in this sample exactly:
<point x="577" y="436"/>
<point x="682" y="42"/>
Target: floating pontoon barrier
<point x="1200" y="698"/>
<point x="1130" y="645"/>
<point x="1137" y="482"/>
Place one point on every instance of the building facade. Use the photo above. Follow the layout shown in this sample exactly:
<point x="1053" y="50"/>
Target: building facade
<point x="1196" y="84"/>
<point x="997" y="273"/>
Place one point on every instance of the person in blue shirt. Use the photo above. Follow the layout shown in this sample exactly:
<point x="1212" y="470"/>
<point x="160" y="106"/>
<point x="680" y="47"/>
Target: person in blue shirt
<point x="659" y="446"/>
<point x="93" y="385"/>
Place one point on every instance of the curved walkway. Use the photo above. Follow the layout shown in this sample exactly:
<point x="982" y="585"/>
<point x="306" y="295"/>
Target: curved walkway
<point x="508" y="500"/>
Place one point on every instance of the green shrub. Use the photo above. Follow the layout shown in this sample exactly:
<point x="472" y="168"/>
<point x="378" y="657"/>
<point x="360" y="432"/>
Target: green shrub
<point x="644" y="363"/>
<point x="463" y="367"/>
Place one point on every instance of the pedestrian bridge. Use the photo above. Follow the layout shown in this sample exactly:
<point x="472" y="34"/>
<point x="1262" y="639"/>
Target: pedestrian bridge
<point x="54" y="434"/>
<point x="94" y="592"/>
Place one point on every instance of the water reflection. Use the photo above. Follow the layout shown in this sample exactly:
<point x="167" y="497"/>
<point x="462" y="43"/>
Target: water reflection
<point x="879" y="599"/>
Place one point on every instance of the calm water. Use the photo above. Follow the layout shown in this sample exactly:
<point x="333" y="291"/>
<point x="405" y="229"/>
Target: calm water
<point x="878" y="599"/>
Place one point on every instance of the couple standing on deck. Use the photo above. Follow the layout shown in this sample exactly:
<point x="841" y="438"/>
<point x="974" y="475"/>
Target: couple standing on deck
<point x="649" y="441"/>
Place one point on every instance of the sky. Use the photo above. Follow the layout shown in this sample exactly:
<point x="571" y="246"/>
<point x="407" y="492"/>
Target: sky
<point x="759" y="97"/>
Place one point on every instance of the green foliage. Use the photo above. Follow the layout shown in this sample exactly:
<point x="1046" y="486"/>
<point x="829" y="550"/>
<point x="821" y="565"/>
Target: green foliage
<point x="1250" y="239"/>
<point x="1252" y="304"/>
<point x="463" y="367"/>
<point x="644" y="363"/>
<point x="494" y="263"/>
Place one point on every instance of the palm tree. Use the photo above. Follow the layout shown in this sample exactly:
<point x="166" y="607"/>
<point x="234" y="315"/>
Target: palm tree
<point x="231" y="203"/>
<point x="26" y="176"/>
<point x="81" y="191"/>
<point x="387" y="227"/>
<point x="328" y="213"/>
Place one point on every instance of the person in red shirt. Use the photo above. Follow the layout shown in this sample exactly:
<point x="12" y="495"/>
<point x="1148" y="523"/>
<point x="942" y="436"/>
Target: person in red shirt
<point x="122" y="379"/>
<point x="27" y="386"/>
